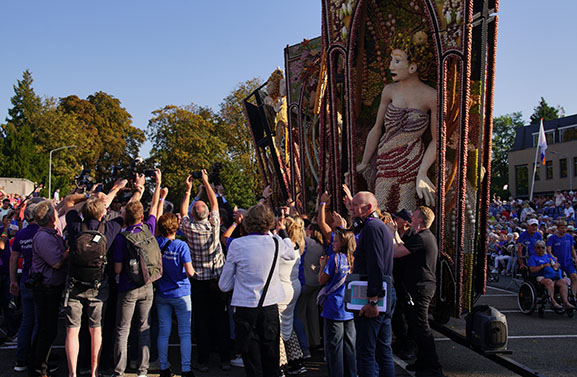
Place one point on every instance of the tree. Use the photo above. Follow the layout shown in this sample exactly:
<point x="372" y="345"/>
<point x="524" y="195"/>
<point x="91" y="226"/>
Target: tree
<point x="20" y="160"/>
<point x="234" y="130"/>
<point x="184" y="139"/>
<point x="107" y="135"/>
<point x="543" y="110"/>
<point x="504" y="131"/>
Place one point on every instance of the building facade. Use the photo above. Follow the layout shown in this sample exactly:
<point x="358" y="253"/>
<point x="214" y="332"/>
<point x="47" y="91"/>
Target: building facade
<point x="560" y="169"/>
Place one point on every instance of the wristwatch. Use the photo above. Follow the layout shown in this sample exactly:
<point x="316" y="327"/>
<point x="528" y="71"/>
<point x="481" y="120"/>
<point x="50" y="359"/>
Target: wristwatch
<point x="373" y="302"/>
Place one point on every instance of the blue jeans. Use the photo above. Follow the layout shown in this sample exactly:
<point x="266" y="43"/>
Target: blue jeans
<point x="374" y="351"/>
<point x="340" y="347"/>
<point x="28" y="324"/>
<point x="183" y="308"/>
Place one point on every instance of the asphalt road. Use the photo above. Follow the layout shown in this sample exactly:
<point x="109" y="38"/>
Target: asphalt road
<point x="546" y="345"/>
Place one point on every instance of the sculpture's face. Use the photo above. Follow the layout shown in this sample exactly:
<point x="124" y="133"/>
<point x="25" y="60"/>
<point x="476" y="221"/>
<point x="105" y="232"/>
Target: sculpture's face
<point x="399" y="66"/>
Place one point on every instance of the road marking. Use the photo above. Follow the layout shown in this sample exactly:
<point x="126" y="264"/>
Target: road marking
<point x="502" y="295"/>
<point x="523" y="337"/>
<point x="500" y="289"/>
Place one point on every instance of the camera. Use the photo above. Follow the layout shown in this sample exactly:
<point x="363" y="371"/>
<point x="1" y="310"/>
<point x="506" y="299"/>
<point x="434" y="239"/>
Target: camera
<point x="35" y="280"/>
<point x="213" y="176"/>
<point x="84" y="181"/>
<point x="148" y="173"/>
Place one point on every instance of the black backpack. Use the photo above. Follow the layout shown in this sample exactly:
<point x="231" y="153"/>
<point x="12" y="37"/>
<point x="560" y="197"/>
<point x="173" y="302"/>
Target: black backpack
<point x="88" y="256"/>
<point x="145" y="262"/>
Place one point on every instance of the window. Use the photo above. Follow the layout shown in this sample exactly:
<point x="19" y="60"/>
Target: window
<point x="568" y="134"/>
<point x="548" y="169"/>
<point x="548" y="135"/>
<point x="563" y="168"/>
<point x="521" y="180"/>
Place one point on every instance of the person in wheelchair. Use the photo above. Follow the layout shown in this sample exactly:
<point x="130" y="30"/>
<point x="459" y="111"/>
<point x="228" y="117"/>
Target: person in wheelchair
<point x="562" y="246"/>
<point x="548" y="274"/>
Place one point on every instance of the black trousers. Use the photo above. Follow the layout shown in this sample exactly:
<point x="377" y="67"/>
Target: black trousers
<point x="257" y="333"/>
<point x="418" y="318"/>
<point x="209" y="306"/>
<point x="47" y="301"/>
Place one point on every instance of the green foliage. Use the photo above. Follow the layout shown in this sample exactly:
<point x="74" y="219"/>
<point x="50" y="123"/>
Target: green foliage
<point x="504" y="130"/>
<point x="234" y="130"/>
<point x="543" y="110"/>
<point x="99" y="127"/>
<point x="20" y="159"/>
<point x="184" y="139"/>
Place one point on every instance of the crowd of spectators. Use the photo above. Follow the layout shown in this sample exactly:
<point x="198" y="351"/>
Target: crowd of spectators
<point x="508" y="219"/>
<point x="263" y="287"/>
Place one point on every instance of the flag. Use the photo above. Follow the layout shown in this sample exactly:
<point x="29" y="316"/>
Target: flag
<point x="542" y="143"/>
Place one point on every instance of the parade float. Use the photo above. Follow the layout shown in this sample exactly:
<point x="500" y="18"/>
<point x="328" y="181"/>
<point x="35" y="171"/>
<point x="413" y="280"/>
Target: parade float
<point x="316" y="133"/>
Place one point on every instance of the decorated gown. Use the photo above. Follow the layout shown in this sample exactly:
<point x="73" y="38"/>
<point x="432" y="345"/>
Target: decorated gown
<point x="399" y="157"/>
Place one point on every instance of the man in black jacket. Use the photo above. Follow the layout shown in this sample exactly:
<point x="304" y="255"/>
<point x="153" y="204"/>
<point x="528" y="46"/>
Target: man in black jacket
<point x="420" y="253"/>
<point x="373" y="258"/>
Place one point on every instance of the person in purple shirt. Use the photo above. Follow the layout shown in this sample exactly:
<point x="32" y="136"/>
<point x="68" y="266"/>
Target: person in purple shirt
<point x="22" y="246"/>
<point x="133" y="299"/>
<point x="49" y="255"/>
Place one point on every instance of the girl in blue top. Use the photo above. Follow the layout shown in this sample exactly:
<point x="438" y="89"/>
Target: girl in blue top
<point x="173" y="293"/>
<point x="339" y="329"/>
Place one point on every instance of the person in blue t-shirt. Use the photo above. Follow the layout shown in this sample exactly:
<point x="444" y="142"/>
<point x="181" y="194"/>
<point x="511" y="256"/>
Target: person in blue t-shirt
<point x="339" y="328"/>
<point x="548" y="274"/>
<point x="562" y="246"/>
<point x="173" y="293"/>
<point x="527" y="241"/>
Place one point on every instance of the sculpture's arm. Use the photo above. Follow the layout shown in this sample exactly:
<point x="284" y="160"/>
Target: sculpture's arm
<point x="376" y="132"/>
<point x="426" y="188"/>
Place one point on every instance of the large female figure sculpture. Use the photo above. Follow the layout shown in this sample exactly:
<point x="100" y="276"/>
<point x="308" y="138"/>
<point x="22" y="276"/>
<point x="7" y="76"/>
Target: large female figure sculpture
<point x="407" y="109"/>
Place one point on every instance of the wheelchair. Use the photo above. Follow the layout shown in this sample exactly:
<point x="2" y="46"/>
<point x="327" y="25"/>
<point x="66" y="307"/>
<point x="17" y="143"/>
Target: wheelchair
<point x="533" y="296"/>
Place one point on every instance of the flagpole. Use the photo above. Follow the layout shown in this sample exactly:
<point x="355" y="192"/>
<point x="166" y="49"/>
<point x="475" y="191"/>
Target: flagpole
<point x="542" y="145"/>
<point x="534" y="171"/>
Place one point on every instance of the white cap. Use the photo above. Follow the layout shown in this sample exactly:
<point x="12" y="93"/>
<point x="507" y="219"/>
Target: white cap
<point x="533" y="222"/>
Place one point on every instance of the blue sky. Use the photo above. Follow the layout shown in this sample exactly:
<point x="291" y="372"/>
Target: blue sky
<point x="150" y="54"/>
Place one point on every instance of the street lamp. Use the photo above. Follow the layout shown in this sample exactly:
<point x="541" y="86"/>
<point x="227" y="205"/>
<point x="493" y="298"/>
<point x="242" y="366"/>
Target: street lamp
<point x="568" y="163"/>
<point x="50" y="169"/>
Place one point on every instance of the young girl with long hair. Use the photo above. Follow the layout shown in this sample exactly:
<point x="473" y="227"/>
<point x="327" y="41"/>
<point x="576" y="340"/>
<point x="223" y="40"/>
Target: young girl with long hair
<point x="339" y="329"/>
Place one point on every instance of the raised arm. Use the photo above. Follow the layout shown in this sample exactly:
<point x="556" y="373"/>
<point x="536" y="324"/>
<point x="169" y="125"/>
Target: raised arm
<point x="139" y="186"/>
<point x="118" y="185"/>
<point x="209" y="192"/>
<point x="321" y="219"/>
<point x="186" y="199"/>
<point x="156" y="195"/>
<point x="163" y="194"/>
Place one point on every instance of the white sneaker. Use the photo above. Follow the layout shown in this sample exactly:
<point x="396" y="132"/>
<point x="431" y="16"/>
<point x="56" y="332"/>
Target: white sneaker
<point x="237" y="362"/>
<point x="494" y="271"/>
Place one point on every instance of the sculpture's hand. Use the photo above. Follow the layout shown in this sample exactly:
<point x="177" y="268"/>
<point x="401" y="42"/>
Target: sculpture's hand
<point x="362" y="167"/>
<point x="426" y="189"/>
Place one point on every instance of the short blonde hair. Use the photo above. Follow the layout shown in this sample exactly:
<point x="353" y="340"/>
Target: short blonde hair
<point x="134" y="213"/>
<point x="94" y="208"/>
<point x="259" y="219"/>
<point x="427" y="215"/>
